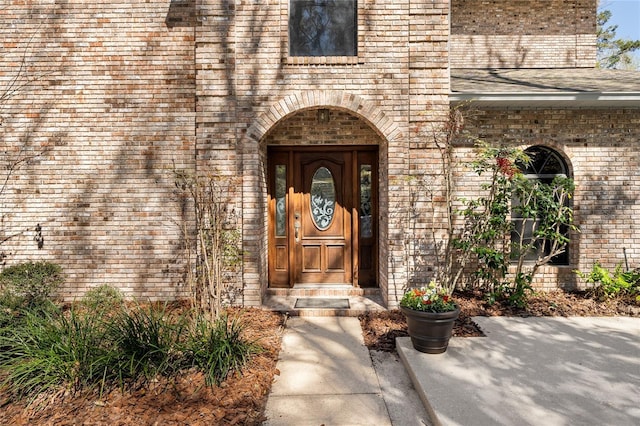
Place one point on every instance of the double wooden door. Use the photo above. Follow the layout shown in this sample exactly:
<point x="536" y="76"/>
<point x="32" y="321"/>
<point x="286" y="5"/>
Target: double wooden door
<point x="322" y="216"/>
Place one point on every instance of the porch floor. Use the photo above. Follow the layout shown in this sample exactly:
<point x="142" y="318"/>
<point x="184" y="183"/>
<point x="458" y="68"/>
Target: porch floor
<point x="360" y="301"/>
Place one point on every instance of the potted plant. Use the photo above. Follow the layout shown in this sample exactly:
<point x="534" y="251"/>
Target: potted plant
<point x="431" y="313"/>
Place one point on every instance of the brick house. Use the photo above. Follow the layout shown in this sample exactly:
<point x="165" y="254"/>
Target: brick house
<point x="318" y="109"/>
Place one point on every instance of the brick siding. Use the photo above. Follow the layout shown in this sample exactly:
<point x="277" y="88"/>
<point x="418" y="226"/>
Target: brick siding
<point x="523" y="34"/>
<point x="121" y="92"/>
<point x="600" y="148"/>
<point x="111" y="101"/>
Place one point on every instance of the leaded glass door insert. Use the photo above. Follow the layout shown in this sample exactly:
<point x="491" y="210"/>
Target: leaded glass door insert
<point x="322" y="198"/>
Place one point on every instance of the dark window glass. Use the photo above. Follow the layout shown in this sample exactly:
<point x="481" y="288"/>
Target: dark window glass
<point x="366" y="229"/>
<point x="281" y="206"/>
<point x="323" y="28"/>
<point x="545" y="165"/>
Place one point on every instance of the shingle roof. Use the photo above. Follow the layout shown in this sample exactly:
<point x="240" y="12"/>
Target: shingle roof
<point x="564" y="86"/>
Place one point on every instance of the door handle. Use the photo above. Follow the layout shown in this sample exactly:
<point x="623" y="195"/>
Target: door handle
<point x="296" y="227"/>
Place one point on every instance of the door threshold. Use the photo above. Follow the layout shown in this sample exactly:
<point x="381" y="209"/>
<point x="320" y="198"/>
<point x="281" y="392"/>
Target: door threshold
<point x="336" y="286"/>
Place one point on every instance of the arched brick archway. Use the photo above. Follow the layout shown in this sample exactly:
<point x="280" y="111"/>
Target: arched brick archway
<point x="355" y="104"/>
<point x="254" y="152"/>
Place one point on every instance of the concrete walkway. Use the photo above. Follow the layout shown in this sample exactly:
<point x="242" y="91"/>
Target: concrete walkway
<point x="328" y="377"/>
<point x="526" y="371"/>
<point x="534" y="371"/>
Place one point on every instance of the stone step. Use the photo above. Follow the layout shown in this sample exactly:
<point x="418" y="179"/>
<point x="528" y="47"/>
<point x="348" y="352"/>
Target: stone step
<point x="323" y="302"/>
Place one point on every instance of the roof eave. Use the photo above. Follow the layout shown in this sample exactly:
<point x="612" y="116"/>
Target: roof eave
<point x="555" y="99"/>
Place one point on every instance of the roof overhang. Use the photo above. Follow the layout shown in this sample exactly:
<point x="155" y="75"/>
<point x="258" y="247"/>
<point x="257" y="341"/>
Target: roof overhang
<point x="547" y="100"/>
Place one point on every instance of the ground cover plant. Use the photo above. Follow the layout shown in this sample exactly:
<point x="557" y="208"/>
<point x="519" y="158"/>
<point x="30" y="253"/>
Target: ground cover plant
<point x="102" y="348"/>
<point x="604" y="284"/>
<point x="57" y="349"/>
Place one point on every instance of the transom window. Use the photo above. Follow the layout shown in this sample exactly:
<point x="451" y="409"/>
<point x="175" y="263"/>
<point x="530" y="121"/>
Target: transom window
<point x="323" y="28"/>
<point x="545" y="165"/>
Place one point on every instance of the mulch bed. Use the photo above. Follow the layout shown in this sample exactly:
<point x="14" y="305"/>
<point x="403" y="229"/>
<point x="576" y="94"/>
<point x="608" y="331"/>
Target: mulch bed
<point x="380" y="329"/>
<point x="241" y="399"/>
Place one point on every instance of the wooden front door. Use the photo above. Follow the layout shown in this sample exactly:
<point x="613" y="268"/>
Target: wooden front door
<point x="322" y="218"/>
<point x="320" y="215"/>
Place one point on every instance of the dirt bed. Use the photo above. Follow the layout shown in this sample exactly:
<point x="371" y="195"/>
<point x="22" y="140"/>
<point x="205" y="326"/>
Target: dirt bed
<point x="241" y="399"/>
<point x="381" y="329"/>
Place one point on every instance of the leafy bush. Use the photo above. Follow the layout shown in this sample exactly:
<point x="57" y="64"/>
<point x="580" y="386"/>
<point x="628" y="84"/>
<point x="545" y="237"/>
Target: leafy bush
<point x="32" y="283"/>
<point x="607" y="285"/>
<point x="104" y="297"/>
<point x="489" y="240"/>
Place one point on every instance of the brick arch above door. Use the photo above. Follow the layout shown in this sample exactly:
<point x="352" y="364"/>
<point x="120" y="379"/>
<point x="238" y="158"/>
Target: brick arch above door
<point x="254" y="156"/>
<point x="295" y="102"/>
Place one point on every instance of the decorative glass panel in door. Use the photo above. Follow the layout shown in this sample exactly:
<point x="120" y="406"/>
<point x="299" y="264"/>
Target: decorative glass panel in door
<point x="366" y="230"/>
<point x="281" y="206"/>
<point x="323" y="198"/>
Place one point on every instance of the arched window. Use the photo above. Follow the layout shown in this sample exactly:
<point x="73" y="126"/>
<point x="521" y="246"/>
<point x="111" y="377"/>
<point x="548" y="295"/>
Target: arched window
<point x="545" y="165"/>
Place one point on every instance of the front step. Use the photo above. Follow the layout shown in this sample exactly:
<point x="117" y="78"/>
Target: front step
<point x="320" y="300"/>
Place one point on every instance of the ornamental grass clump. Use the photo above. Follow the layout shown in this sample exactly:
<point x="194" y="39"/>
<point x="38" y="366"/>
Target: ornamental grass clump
<point x="430" y="298"/>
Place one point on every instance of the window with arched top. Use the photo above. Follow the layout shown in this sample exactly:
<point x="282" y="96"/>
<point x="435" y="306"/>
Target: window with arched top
<point x="545" y="165"/>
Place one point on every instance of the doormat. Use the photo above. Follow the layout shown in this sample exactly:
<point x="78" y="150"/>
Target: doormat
<point x="321" y="303"/>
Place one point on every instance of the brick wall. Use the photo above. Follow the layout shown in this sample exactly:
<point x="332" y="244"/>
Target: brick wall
<point x="124" y="90"/>
<point x="341" y="128"/>
<point x="110" y="101"/>
<point x="600" y="148"/>
<point x="120" y="92"/>
<point x="523" y="34"/>
<point x="397" y="75"/>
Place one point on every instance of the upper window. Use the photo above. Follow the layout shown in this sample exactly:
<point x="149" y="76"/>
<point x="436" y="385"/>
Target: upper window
<point x="323" y="28"/>
<point x="545" y="164"/>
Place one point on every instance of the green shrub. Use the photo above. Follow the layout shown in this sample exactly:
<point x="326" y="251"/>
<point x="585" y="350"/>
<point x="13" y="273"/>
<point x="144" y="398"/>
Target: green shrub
<point x="53" y="349"/>
<point x="146" y="343"/>
<point x="218" y="348"/>
<point x="104" y="297"/>
<point x="32" y="283"/>
<point x="607" y="285"/>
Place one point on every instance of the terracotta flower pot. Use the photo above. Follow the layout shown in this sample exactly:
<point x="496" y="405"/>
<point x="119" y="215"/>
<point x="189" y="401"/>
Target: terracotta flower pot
<point x="429" y="331"/>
